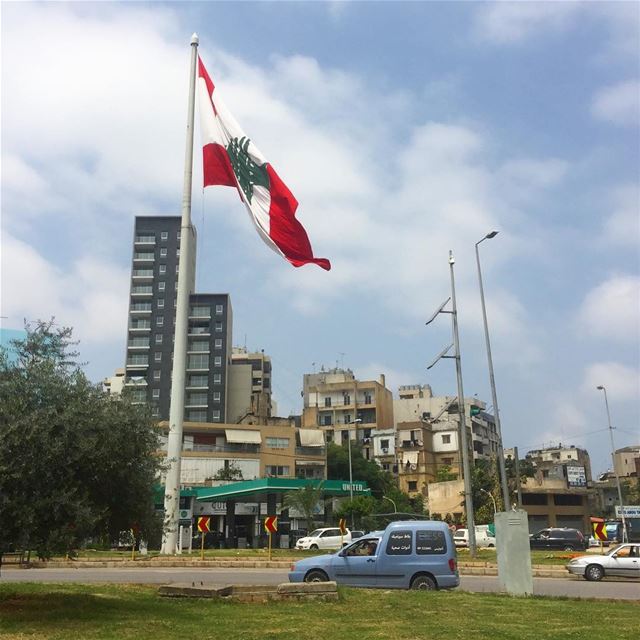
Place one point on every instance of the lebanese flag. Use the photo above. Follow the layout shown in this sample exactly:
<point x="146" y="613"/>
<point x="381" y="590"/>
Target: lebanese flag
<point x="231" y="159"/>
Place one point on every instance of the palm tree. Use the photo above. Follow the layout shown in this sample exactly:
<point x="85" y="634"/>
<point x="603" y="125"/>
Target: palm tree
<point x="305" y="501"/>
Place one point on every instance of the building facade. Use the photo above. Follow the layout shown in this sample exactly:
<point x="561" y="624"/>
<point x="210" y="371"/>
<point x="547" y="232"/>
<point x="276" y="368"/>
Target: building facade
<point x="249" y="385"/>
<point x="627" y="462"/>
<point x="344" y="407"/>
<point x="151" y="324"/>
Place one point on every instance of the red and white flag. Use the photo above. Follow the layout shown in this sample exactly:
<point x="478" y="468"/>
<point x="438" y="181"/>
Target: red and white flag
<point x="231" y="159"/>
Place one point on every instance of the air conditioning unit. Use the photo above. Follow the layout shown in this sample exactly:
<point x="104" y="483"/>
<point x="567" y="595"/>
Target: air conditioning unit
<point x="385" y="449"/>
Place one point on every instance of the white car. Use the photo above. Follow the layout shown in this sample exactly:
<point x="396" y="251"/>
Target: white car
<point x="328" y="538"/>
<point x="483" y="537"/>
<point x="622" y="561"/>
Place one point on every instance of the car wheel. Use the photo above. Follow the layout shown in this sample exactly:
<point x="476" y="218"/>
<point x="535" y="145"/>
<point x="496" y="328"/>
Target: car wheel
<point x="568" y="547"/>
<point x="314" y="547"/>
<point x="316" y="576"/>
<point x="423" y="583"/>
<point x="594" y="573"/>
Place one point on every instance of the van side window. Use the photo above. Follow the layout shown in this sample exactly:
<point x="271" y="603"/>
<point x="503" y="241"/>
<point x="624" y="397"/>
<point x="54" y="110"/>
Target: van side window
<point x="399" y="543"/>
<point x="430" y="542"/>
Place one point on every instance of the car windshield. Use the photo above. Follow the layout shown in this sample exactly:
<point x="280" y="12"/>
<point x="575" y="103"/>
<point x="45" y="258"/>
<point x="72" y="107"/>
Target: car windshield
<point x="315" y="533"/>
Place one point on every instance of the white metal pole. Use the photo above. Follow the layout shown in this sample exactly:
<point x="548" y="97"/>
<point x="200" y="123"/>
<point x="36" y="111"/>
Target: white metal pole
<point x="494" y="395"/>
<point x="466" y="467"/>
<point x="176" y="411"/>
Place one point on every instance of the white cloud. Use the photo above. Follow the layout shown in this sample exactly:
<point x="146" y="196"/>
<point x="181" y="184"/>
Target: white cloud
<point x="89" y="295"/>
<point x="612" y="310"/>
<point x="394" y="378"/>
<point x="510" y="22"/>
<point x="621" y="381"/>
<point x="618" y="104"/>
<point x="622" y="227"/>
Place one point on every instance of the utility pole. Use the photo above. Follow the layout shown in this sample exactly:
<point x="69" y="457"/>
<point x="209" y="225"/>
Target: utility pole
<point x="462" y="433"/>
<point x="468" y="498"/>
<point x="613" y="461"/>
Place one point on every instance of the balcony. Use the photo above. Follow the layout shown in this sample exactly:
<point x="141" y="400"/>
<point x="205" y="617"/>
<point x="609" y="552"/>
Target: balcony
<point x="143" y="257"/>
<point x="226" y="448"/>
<point x="142" y="273"/>
<point x="311" y="451"/>
<point x="145" y="240"/>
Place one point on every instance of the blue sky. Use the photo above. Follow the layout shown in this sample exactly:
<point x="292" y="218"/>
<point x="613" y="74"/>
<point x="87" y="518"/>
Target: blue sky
<point x="404" y="130"/>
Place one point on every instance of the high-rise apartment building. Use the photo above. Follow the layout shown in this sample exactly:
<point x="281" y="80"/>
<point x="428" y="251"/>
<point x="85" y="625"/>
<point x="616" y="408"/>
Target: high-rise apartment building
<point x="150" y="331"/>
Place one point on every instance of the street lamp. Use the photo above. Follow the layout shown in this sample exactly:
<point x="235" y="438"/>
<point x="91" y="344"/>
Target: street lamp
<point x="395" y="509"/>
<point x="495" y="509"/>
<point x="613" y="460"/>
<point x="494" y="395"/>
<point x="356" y="421"/>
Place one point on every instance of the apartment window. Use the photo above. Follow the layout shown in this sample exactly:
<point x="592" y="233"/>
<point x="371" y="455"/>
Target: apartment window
<point x="160" y="303"/>
<point x="138" y="358"/>
<point x="384" y="444"/>
<point x="156" y="374"/>
<point x="367" y="398"/>
<point x="142" y="288"/>
<point x="218" y="326"/>
<point x="346" y="399"/>
<point x="278" y="443"/>
<point x="217" y="378"/>
<point x="276" y="470"/>
<point x="200" y="312"/>
<point x="163" y="252"/>
<point x="139" y="341"/>
<point x="164" y="235"/>
<point x="145" y="238"/>
<point x="347" y="418"/>
<point x="140" y="324"/>
<point x="412" y="485"/>
<point x="215" y="414"/>
<point x="178" y="235"/>
<point x="218" y="343"/>
<point x="219" y="309"/>
<point x="327" y="402"/>
<point x="217" y="361"/>
<point x="175" y="286"/>
<point x="141" y="306"/>
<point x="199" y="345"/>
<point x="162" y="268"/>
<point x="216" y="396"/>
<point x="198" y="361"/>
<point x="178" y="252"/>
<point x="326" y="420"/>
<point x="447" y="461"/>
<point x="156" y="393"/>
<point x="446" y="439"/>
<point x="155" y="412"/>
<point x="157" y="356"/>
<point x="159" y="321"/>
<point x="198" y="381"/>
<point x="143" y="273"/>
<point x="197" y="416"/>
<point x="197" y="398"/>
<point x="177" y="268"/>
<point x="158" y="338"/>
<point x="161" y="286"/>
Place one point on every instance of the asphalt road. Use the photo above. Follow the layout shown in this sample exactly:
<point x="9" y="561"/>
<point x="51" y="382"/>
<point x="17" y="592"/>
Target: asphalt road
<point x="611" y="588"/>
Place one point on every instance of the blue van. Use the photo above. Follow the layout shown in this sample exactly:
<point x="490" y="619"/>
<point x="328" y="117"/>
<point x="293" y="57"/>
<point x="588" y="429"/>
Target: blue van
<point x="406" y="555"/>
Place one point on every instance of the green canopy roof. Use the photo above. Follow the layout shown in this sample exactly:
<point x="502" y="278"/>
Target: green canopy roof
<point x="252" y="489"/>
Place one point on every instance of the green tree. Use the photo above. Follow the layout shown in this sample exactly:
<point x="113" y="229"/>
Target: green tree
<point x="230" y="472"/>
<point x="75" y="463"/>
<point x="305" y="501"/>
<point x="444" y="474"/>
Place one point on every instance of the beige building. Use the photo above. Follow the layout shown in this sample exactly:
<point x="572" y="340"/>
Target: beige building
<point x="627" y="462"/>
<point x="115" y="383"/>
<point x="276" y="449"/>
<point x="344" y="407"/>
<point x="561" y="492"/>
<point x="249" y="386"/>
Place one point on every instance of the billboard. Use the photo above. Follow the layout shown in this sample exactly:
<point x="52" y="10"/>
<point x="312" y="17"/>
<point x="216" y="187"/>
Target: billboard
<point x="576" y="476"/>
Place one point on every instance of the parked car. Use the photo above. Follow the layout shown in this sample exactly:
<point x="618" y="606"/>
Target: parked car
<point x="407" y="555"/>
<point x="621" y="561"/>
<point x="327" y="538"/>
<point x="555" y="538"/>
<point x="483" y="537"/>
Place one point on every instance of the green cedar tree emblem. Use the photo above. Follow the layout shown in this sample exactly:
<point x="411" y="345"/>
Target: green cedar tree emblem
<point x="248" y="173"/>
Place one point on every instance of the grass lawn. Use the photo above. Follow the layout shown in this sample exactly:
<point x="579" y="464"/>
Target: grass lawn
<point x="89" y="612"/>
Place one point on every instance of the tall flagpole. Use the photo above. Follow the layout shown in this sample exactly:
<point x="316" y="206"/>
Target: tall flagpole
<point x="185" y="266"/>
